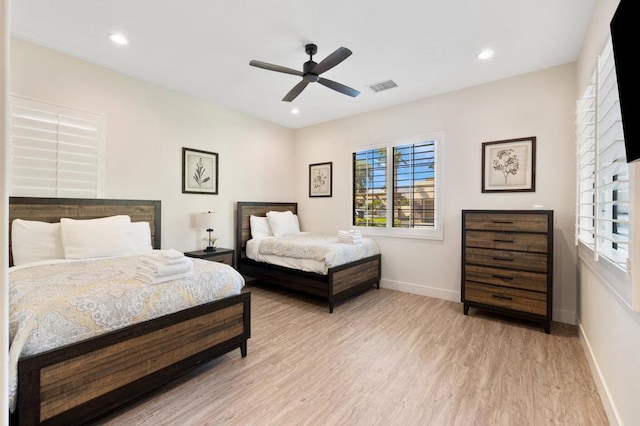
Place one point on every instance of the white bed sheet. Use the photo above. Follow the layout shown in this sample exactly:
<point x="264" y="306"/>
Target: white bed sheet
<point x="307" y="265"/>
<point x="367" y="248"/>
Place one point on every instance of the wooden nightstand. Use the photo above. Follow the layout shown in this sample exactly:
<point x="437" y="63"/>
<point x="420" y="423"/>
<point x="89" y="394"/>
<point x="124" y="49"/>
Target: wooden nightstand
<point x="222" y="255"/>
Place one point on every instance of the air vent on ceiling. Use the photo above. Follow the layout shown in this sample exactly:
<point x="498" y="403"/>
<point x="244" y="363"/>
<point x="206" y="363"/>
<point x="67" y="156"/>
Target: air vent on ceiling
<point x="383" y="85"/>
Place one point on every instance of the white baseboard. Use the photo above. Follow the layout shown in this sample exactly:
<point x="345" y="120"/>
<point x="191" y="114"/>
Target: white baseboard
<point x="603" y="390"/>
<point x="567" y="317"/>
<point x="438" y="293"/>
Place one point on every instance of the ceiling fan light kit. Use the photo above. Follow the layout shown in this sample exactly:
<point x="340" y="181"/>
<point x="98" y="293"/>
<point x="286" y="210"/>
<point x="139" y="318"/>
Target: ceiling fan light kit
<point x="311" y="72"/>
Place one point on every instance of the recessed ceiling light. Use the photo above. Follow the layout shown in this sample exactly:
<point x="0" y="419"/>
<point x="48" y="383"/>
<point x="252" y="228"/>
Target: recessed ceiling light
<point x="295" y="111"/>
<point x="118" y="38"/>
<point x="485" y="54"/>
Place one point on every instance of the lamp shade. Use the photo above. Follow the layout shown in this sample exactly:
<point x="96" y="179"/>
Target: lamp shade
<point x="205" y="220"/>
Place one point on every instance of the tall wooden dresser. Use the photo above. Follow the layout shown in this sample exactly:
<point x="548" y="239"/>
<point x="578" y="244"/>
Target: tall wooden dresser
<point x="507" y="262"/>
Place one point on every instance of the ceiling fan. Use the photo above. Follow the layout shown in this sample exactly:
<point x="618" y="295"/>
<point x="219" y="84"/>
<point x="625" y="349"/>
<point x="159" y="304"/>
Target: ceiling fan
<point x="311" y="72"/>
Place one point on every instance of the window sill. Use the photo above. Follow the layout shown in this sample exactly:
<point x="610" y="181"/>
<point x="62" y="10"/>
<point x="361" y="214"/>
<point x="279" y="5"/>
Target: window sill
<point x="419" y="234"/>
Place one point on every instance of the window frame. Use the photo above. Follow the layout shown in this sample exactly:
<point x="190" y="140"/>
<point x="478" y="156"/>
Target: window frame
<point x="601" y="251"/>
<point x="431" y="233"/>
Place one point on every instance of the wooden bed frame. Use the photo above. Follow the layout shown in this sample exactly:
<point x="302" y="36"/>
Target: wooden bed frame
<point x="80" y="382"/>
<point x="340" y="283"/>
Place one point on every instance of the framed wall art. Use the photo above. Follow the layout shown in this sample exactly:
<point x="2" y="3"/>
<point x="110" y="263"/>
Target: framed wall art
<point x="199" y="172"/>
<point x="320" y="179"/>
<point x="509" y="165"/>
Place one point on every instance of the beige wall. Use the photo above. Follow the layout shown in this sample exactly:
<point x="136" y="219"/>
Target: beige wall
<point x="146" y="128"/>
<point x="610" y="329"/>
<point x="540" y="104"/>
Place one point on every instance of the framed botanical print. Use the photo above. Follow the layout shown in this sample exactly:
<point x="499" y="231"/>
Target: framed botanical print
<point x="509" y="165"/>
<point x="199" y="172"/>
<point x="320" y="179"/>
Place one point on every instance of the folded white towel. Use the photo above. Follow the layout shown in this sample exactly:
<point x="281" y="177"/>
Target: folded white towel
<point x="156" y="268"/>
<point x="152" y="279"/>
<point x="169" y="254"/>
<point x="167" y="257"/>
<point x="350" y="239"/>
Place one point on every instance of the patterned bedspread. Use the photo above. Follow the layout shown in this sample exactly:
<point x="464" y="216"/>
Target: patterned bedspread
<point x="325" y="248"/>
<point x="61" y="303"/>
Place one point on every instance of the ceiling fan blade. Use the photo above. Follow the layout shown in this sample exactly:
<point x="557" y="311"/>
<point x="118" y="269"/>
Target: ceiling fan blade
<point x="277" y="68"/>
<point x="332" y="60"/>
<point x="338" y="87"/>
<point x="293" y="93"/>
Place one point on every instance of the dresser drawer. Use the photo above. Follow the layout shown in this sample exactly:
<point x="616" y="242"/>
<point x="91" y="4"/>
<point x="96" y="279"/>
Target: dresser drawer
<point x="534" y="262"/>
<point x="507" y="278"/>
<point x="507" y="241"/>
<point x="506" y="222"/>
<point x="517" y="300"/>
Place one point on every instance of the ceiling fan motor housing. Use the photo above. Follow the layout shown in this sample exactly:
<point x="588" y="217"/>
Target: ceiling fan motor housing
<point x="308" y="75"/>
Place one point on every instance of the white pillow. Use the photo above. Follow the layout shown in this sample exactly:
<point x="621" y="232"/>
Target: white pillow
<point x="260" y="227"/>
<point x="283" y="223"/>
<point x="140" y="234"/>
<point x="32" y="241"/>
<point x="107" y="236"/>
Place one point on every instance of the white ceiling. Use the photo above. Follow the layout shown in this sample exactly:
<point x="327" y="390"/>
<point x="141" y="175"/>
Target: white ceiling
<point x="203" y="47"/>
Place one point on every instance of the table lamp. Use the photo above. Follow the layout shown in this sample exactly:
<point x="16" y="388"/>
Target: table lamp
<point x="206" y="221"/>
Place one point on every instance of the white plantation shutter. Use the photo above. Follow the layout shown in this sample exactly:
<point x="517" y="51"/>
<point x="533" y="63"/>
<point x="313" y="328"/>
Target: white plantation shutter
<point x="612" y="171"/>
<point x="55" y="151"/>
<point x="603" y="194"/>
<point x="586" y="158"/>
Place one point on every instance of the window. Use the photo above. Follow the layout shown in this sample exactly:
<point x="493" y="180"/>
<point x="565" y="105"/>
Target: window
<point x="602" y="221"/>
<point x="414" y="185"/>
<point x="55" y="151"/>
<point x="370" y="187"/>
<point x="395" y="189"/>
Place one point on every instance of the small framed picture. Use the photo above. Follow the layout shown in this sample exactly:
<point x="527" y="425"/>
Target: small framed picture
<point x="509" y="165"/>
<point x="199" y="172"/>
<point x="320" y="179"/>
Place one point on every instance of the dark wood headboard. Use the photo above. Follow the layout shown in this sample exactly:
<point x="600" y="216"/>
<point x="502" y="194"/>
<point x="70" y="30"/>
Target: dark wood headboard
<point x="244" y="210"/>
<point x="53" y="209"/>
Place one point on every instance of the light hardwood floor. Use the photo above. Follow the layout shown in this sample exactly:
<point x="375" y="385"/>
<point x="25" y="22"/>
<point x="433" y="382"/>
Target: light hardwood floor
<point x="383" y="358"/>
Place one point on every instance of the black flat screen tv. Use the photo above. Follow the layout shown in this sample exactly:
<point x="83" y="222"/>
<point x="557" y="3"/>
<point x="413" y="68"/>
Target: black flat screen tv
<point x="625" y="53"/>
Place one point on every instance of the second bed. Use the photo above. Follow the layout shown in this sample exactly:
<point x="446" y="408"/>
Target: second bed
<point x="334" y="284"/>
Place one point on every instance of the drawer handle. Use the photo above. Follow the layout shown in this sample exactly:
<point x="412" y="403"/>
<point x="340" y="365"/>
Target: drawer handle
<point x="499" y="296"/>
<point x="505" y="259"/>
<point x="506" y="222"/>
<point x="502" y="277"/>
<point x="503" y="241"/>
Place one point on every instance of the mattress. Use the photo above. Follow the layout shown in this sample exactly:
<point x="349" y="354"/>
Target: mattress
<point x="308" y="252"/>
<point x="56" y="303"/>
